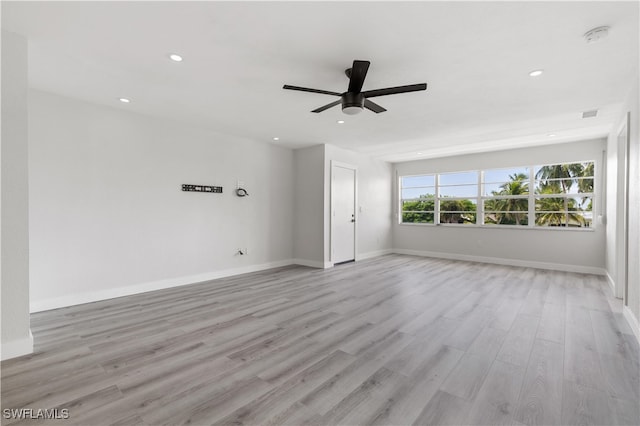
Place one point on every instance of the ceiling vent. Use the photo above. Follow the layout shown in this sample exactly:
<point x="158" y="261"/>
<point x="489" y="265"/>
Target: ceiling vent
<point x="589" y="114"/>
<point x="596" y="34"/>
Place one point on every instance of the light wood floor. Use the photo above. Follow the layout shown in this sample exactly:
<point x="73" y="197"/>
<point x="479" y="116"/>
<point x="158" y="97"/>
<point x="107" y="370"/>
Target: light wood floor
<point x="391" y="340"/>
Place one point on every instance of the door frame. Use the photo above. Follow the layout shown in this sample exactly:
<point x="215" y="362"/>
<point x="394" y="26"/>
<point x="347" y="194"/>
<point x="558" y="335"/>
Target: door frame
<point x="622" y="251"/>
<point x="342" y="165"/>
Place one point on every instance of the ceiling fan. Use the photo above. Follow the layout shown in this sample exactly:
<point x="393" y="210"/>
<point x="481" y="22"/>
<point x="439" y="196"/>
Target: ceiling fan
<point x="354" y="100"/>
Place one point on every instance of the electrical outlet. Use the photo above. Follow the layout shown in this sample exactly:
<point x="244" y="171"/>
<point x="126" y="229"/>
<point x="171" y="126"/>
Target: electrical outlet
<point x="245" y="250"/>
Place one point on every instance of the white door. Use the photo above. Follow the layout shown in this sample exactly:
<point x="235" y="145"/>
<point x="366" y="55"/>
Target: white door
<point x="343" y="223"/>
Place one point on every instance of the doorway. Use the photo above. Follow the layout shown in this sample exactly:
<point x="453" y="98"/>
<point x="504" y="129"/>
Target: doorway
<point x="343" y="212"/>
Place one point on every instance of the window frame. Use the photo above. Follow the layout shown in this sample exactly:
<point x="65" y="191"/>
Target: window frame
<point x="402" y="200"/>
<point x="532" y="196"/>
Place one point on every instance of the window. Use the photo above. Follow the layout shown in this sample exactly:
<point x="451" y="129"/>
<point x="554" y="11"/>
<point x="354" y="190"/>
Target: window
<point x="555" y="195"/>
<point x="458" y="197"/>
<point x="505" y="196"/>
<point x="418" y="199"/>
<point x="564" y="195"/>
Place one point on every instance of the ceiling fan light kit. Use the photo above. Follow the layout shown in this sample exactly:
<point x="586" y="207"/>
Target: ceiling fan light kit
<point x="354" y="100"/>
<point x="352" y="103"/>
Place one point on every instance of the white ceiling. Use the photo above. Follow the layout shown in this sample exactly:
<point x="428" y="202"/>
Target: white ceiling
<point x="475" y="57"/>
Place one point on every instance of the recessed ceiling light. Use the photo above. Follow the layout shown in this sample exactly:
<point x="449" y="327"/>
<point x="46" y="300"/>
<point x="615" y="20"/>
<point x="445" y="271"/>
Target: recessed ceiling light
<point x="124" y="100"/>
<point x="536" y="73"/>
<point x="419" y="153"/>
<point x="340" y="121"/>
<point x="175" y="57"/>
<point x="276" y="138"/>
<point x="552" y="135"/>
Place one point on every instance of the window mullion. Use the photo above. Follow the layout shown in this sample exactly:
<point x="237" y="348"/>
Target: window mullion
<point x="436" y="205"/>
<point x="479" y="202"/>
<point x="532" y="199"/>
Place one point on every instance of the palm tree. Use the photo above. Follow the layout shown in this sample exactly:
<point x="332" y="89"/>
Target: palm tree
<point x="566" y="173"/>
<point x="586" y="184"/>
<point x="554" y="215"/>
<point x="514" y="209"/>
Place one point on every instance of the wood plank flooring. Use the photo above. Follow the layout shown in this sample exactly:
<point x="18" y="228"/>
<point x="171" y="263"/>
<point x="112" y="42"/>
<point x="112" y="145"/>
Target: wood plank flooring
<point x="387" y="341"/>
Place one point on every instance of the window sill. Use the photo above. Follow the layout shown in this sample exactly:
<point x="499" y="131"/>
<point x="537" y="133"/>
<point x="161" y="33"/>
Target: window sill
<point x="523" y="228"/>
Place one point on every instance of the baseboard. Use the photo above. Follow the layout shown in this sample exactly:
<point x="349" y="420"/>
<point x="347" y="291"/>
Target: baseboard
<point x="632" y="320"/>
<point x="112" y="293"/>
<point x="368" y="255"/>
<point x="508" y="262"/>
<point x="313" y="263"/>
<point x="16" y="348"/>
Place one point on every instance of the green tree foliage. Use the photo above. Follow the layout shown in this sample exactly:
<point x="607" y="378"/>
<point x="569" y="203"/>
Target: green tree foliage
<point x="558" y="212"/>
<point x="509" y="211"/>
<point x="504" y="209"/>
<point x="560" y="179"/>
<point x="419" y="211"/>
<point x="455" y="211"/>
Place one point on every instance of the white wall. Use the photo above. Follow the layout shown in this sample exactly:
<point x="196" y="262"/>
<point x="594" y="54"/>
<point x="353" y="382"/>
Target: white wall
<point x="16" y="336"/>
<point x="312" y="235"/>
<point x="108" y="216"/>
<point x="576" y="250"/>
<point x="633" y="105"/>
<point x="308" y="218"/>
<point x="614" y="208"/>
<point x="374" y="202"/>
<point x="611" y="217"/>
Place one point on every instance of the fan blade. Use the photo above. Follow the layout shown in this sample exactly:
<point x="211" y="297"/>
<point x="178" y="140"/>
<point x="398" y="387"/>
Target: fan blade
<point x="358" y="73"/>
<point x="306" y="89"/>
<point x="394" y="90"/>
<point x="327" y="106"/>
<point x="373" y="106"/>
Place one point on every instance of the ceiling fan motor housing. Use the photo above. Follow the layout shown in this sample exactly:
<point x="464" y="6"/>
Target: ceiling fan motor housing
<point x="352" y="103"/>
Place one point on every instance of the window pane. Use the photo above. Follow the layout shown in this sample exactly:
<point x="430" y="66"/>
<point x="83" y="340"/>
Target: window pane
<point x="514" y="187"/>
<point x="506" y="175"/>
<point x="458" y="178"/>
<point x="491" y="188"/>
<point x="416" y="181"/>
<point x="417" y="217"/>
<point x="457" y="205"/>
<point x="561" y="171"/>
<point x="419" y="192"/>
<point x="419" y="205"/>
<point x="465" y="218"/>
<point x="506" y="204"/>
<point x="585" y="185"/>
<point x="565" y="219"/>
<point x="564" y="178"/>
<point x="588" y="169"/>
<point x="506" y="218"/>
<point x="564" y="186"/>
<point x="506" y="211"/>
<point x="459" y="191"/>
<point x="563" y="204"/>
